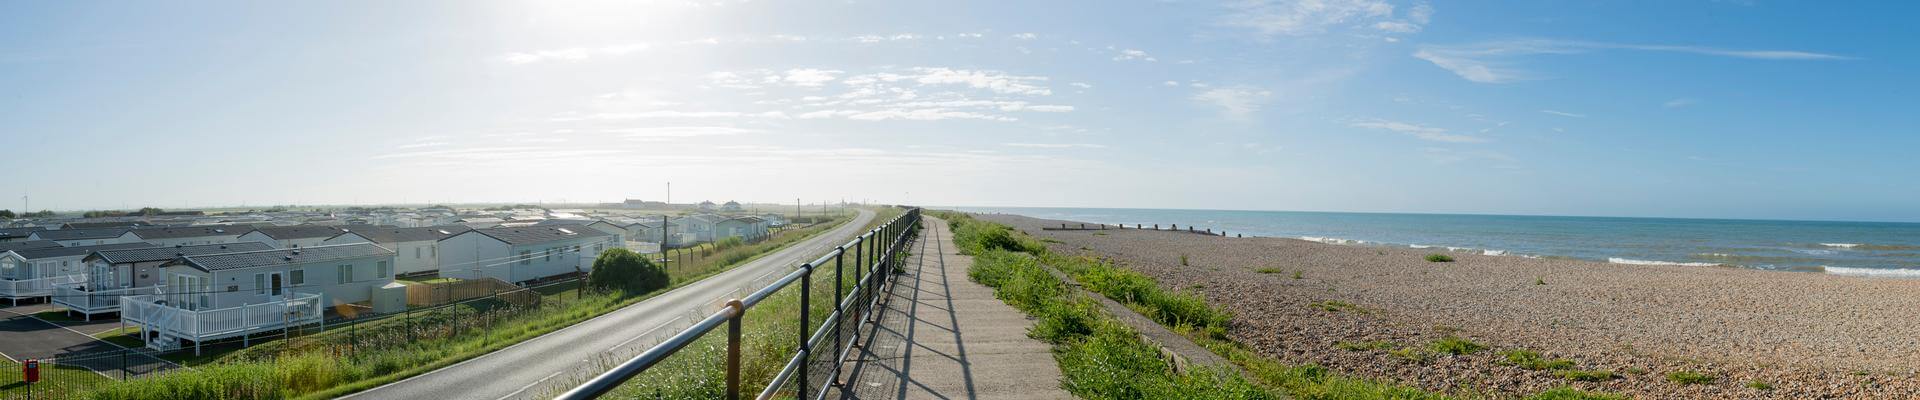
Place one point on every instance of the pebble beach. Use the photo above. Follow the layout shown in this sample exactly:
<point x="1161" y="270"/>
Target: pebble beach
<point x="1754" y="334"/>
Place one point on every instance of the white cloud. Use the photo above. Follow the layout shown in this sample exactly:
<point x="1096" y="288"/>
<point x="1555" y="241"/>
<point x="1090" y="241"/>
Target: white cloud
<point x="1170" y="83"/>
<point x="1237" y="101"/>
<point x="1025" y="36"/>
<point x="1082" y="85"/>
<point x="926" y="114"/>
<point x="1133" y="54"/>
<point x="666" y="114"/>
<point x="420" y="145"/>
<point x="810" y="77"/>
<point x="1564" y="114"/>
<point x="673" y="132"/>
<point x="1397" y="26"/>
<point x="1418" y="131"/>
<point x="1484" y="62"/>
<point x="1056" y="145"/>
<point x="995" y="81"/>
<point x="1680" y="102"/>
<point x="884" y="38"/>
<point x="572" y="54"/>
<point x="1300" y="17"/>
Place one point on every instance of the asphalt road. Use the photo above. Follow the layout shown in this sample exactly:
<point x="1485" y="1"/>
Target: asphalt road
<point x="548" y="365"/>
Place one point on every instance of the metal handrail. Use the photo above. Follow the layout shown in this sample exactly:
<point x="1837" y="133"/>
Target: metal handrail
<point x="897" y="232"/>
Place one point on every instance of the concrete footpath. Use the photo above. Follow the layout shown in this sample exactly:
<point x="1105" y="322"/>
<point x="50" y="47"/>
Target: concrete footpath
<point x="942" y="336"/>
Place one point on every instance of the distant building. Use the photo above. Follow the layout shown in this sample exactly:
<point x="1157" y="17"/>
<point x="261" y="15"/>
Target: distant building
<point x="192" y="235"/>
<point x="18" y="234"/>
<point x="286" y="237"/>
<point x="416" y="250"/>
<point x="731" y="206"/>
<point x="523" y="254"/>
<point x="700" y="227"/>
<point x="706" y="206"/>
<point x="86" y="237"/>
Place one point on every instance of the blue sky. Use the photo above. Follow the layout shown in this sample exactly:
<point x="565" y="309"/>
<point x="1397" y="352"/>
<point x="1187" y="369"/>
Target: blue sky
<point x="1755" y="109"/>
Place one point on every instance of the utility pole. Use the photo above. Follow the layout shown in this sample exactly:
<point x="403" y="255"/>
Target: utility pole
<point x="796" y="209"/>
<point x="669" y="193"/>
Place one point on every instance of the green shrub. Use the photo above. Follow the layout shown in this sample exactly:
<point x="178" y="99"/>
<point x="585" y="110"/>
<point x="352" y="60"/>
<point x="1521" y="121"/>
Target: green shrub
<point x="1439" y="258"/>
<point x="1530" y="360"/>
<point x="1414" y="354"/>
<point x="1598" y="375"/>
<point x="1689" y="378"/>
<point x="1759" y="385"/>
<point x="623" y="270"/>
<point x="1268" y="270"/>
<point x="1456" y="346"/>
<point x="1568" y="393"/>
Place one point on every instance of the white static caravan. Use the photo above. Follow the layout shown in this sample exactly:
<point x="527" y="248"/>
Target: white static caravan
<point x="416" y="250"/>
<point x="112" y="274"/>
<point x="522" y="254"/>
<point x="34" y="272"/>
<point x="225" y="295"/>
<point x="192" y="235"/>
<point x="87" y="237"/>
<point x="287" y="237"/>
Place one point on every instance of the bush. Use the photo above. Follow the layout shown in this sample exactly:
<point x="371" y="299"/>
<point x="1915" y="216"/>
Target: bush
<point x="629" y="272"/>
<point x="1599" y="375"/>
<point x="1531" y="360"/>
<point x="1567" y="393"/>
<point x="1439" y="258"/>
<point x="1456" y="346"/>
<point x="1689" y="378"/>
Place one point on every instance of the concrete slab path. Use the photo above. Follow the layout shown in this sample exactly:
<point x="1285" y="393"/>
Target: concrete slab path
<point x="942" y="336"/>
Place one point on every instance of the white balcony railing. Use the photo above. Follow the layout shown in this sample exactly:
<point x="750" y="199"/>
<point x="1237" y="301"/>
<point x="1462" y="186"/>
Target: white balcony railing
<point x="77" y="298"/>
<point x="36" y="287"/>
<point x="151" y="312"/>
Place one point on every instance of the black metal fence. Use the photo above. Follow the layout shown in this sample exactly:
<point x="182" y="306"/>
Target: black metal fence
<point x="872" y="259"/>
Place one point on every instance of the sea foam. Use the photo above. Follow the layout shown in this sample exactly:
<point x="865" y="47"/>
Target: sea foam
<point x="1875" y="272"/>
<point x="1841" y="245"/>
<point x="1618" y="260"/>
<point x="1329" y="240"/>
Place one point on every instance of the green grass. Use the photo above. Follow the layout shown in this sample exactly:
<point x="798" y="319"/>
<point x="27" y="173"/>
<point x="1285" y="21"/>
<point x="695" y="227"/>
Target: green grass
<point x="1297" y="275"/>
<point x="1759" y="385"/>
<point x="1455" y="345"/>
<point x="1689" y="378"/>
<point x="1439" y="258"/>
<point x="1533" y="361"/>
<point x="1598" y="375"/>
<point x="56" y="381"/>
<point x="1269" y="270"/>
<point x="1183" y="260"/>
<point x="1414" y="354"/>
<point x="341" y="361"/>
<point x="1568" y="393"/>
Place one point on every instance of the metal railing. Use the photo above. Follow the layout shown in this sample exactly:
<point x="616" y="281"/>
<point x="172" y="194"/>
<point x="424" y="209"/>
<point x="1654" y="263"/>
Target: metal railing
<point x="876" y="249"/>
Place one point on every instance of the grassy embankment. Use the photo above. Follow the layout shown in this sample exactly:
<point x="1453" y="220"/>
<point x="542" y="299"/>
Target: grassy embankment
<point x="767" y="331"/>
<point x="341" y="361"/>
<point x="1105" y="360"/>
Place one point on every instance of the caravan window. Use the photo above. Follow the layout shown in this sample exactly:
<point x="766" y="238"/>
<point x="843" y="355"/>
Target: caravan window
<point x="297" y="277"/>
<point x="346" y="273"/>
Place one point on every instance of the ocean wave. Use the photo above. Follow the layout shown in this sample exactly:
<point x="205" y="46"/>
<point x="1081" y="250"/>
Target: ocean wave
<point x="1419" y="246"/>
<point x="1874" y="272"/>
<point x="1813" y="252"/>
<point x="1329" y="240"/>
<point x="1716" y="255"/>
<point x="1841" y="245"/>
<point x="1494" y="252"/>
<point x="1618" y="260"/>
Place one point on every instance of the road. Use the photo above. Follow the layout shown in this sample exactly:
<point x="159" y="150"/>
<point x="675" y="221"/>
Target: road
<point x="547" y="365"/>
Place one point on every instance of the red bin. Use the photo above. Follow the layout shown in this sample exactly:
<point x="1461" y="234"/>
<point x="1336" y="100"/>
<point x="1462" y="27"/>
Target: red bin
<point x="30" y="371"/>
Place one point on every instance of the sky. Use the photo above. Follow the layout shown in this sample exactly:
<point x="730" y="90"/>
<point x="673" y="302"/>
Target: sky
<point x="1715" y="109"/>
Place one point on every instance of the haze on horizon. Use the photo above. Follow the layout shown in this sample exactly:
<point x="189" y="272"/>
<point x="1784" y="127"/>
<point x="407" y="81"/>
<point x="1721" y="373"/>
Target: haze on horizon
<point x="1713" y="109"/>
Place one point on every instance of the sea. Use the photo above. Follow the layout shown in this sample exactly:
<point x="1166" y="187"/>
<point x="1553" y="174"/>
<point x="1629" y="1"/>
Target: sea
<point x="1875" y="249"/>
